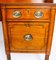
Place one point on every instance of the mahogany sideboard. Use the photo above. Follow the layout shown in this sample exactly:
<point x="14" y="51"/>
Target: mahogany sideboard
<point x="28" y="28"/>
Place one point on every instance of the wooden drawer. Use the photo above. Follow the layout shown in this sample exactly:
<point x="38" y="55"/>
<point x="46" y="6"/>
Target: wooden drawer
<point x="24" y="14"/>
<point x="28" y="37"/>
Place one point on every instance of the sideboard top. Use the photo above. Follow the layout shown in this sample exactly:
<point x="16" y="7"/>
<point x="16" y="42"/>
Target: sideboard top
<point x="26" y="1"/>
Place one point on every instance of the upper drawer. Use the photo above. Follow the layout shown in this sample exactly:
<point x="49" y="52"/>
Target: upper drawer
<point x="32" y="13"/>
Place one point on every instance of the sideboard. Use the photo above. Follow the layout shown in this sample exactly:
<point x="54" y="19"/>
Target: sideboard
<point x="28" y="28"/>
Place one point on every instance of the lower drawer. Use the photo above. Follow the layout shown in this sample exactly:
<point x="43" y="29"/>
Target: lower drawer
<point x="28" y="36"/>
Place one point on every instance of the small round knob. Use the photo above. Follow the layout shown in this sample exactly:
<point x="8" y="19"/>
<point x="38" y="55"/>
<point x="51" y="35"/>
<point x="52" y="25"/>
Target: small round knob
<point x="38" y="14"/>
<point x="16" y="14"/>
<point x="28" y="37"/>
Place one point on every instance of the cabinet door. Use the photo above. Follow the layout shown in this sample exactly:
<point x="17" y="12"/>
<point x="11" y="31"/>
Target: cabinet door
<point x="28" y="36"/>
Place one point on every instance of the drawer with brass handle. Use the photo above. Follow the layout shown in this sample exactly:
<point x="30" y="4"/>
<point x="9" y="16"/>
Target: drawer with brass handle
<point x="27" y="14"/>
<point x="28" y="36"/>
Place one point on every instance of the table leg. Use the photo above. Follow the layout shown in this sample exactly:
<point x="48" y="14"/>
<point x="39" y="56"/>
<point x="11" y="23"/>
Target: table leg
<point x="8" y="57"/>
<point x="46" y="57"/>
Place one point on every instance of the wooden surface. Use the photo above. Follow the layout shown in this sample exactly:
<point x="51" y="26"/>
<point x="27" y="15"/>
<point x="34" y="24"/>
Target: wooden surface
<point x="26" y="1"/>
<point x="5" y="32"/>
<point x="41" y="29"/>
<point x="51" y="28"/>
<point x="25" y="29"/>
<point x="39" y="32"/>
<point x="0" y="13"/>
<point x="50" y="1"/>
<point x="28" y="13"/>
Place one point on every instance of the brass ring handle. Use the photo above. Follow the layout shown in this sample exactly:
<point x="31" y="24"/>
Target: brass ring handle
<point x="28" y="37"/>
<point x="38" y="14"/>
<point x="16" y="14"/>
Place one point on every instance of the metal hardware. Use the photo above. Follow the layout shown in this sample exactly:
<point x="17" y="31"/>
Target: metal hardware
<point x="28" y="37"/>
<point x="16" y="14"/>
<point x="38" y="14"/>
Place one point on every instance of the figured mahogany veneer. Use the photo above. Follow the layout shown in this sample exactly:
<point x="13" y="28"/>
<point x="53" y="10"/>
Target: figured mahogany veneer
<point x="39" y="32"/>
<point x="28" y="13"/>
<point x="26" y="31"/>
<point x="26" y="1"/>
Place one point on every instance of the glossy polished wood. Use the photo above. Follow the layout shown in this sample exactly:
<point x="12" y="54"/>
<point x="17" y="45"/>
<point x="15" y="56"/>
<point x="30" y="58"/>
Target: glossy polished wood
<point x="18" y="30"/>
<point x="48" y="1"/>
<point x="40" y="29"/>
<point x="0" y="15"/>
<point x="28" y="13"/>
<point x="26" y="1"/>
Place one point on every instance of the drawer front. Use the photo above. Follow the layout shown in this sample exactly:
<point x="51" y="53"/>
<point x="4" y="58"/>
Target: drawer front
<point x="25" y="36"/>
<point x="28" y="14"/>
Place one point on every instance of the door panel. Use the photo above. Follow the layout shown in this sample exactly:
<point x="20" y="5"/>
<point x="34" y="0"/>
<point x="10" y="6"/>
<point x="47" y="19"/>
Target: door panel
<point x="28" y="36"/>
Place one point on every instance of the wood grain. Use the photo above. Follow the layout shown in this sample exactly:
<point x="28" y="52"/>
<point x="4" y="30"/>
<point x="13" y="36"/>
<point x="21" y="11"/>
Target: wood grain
<point x="41" y="30"/>
<point x="5" y="31"/>
<point x="48" y="1"/>
<point x="25" y="1"/>
<point x="51" y="31"/>
<point x="29" y="13"/>
<point x="0" y="14"/>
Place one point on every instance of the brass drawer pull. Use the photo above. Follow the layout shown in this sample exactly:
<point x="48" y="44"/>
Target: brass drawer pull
<point x="38" y="14"/>
<point x="28" y="37"/>
<point x="16" y="14"/>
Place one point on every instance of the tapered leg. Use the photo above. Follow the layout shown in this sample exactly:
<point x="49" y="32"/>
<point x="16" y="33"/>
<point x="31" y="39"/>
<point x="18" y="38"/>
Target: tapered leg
<point x="46" y="57"/>
<point x="8" y="57"/>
